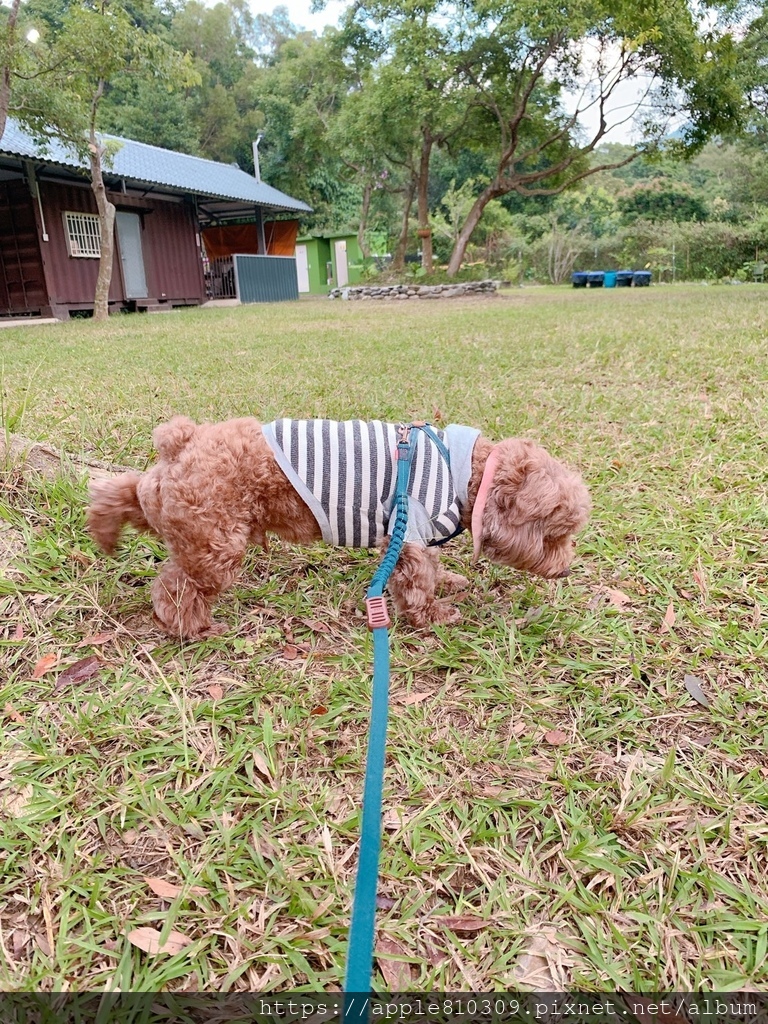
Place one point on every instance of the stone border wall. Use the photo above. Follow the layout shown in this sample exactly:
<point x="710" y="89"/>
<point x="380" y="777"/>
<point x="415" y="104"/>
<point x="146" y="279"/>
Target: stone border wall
<point x="416" y="291"/>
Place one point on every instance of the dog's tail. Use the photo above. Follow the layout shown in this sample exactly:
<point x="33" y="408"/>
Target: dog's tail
<point x="171" y="437"/>
<point x="115" y="503"/>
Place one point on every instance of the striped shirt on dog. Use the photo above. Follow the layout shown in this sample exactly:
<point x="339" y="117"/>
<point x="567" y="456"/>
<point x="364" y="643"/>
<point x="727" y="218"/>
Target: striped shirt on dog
<point x="346" y="473"/>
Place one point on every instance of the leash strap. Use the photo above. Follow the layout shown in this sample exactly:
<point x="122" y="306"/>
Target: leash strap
<point x="357" y="984"/>
<point x="434" y="438"/>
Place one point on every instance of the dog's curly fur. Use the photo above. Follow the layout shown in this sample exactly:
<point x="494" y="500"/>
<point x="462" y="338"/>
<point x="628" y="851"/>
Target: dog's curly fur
<point x="217" y="488"/>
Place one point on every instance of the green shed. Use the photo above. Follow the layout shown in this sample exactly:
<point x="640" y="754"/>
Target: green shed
<point x="313" y="264"/>
<point x="327" y="261"/>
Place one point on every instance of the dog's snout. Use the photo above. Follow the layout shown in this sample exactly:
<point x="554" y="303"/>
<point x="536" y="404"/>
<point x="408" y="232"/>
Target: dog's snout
<point x="563" y="574"/>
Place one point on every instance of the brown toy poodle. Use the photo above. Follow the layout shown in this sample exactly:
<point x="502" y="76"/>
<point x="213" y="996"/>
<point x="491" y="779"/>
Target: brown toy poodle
<point x="219" y="487"/>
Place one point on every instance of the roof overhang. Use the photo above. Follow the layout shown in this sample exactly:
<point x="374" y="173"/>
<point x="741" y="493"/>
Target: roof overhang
<point x="220" y="191"/>
<point x="211" y="209"/>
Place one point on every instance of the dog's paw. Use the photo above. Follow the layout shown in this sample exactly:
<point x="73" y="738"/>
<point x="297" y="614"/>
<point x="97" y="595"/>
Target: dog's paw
<point x="215" y="629"/>
<point x="452" y="582"/>
<point x="446" y="613"/>
<point x="436" y="613"/>
<point x="175" y="629"/>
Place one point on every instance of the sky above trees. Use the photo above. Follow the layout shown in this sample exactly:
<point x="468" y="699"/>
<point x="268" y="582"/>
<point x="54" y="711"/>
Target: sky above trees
<point x="302" y="15"/>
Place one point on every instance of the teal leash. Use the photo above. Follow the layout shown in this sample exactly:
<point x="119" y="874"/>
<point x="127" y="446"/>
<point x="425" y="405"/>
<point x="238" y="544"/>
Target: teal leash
<point x="357" y="983"/>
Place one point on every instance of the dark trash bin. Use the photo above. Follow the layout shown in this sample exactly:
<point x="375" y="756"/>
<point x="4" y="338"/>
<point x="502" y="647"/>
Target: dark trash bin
<point x="579" y="279"/>
<point x="624" y="278"/>
<point x="595" y="278"/>
<point x="641" y="278"/>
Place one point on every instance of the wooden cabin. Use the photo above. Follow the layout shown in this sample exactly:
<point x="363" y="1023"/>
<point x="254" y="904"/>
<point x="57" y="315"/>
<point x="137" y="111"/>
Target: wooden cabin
<point x="165" y="201"/>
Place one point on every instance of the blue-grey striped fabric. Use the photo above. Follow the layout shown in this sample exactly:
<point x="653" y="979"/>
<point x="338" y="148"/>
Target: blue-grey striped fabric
<point x="346" y="472"/>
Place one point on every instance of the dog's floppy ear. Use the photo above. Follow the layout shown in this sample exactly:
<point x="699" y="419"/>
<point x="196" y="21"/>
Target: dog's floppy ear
<point x="529" y="484"/>
<point x="517" y="461"/>
<point x="171" y="437"/>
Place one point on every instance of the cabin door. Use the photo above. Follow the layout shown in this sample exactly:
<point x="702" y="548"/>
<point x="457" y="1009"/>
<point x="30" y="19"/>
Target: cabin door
<point x="131" y="255"/>
<point x="302" y="268"/>
<point x="342" y="268"/>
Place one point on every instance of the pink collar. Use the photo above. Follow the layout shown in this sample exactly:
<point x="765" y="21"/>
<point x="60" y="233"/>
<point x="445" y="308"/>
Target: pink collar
<point x="480" y="500"/>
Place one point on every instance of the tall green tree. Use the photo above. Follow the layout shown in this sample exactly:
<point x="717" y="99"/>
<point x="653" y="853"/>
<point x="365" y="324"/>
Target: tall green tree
<point x="299" y="96"/>
<point x="533" y="83"/>
<point x="95" y="43"/>
<point x="229" y="45"/>
<point x="8" y="58"/>
<point x="413" y="98"/>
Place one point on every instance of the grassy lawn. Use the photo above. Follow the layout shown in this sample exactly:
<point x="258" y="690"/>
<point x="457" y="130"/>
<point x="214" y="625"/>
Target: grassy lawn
<point x="551" y="782"/>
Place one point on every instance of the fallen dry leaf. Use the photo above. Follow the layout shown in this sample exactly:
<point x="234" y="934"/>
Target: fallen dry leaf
<point x="13" y="802"/>
<point x="556" y="737"/>
<point x="96" y="640"/>
<point x="608" y="595"/>
<point x="393" y="819"/>
<point x="169" y="891"/>
<point x="492" y="791"/>
<point x="316" y="625"/>
<point x="13" y="714"/>
<point x="19" y="940"/>
<point x="262" y="765"/>
<point x="266" y="848"/>
<point x="18" y="633"/>
<point x="669" y="618"/>
<point x="216" y="691"/>
<point x="290" y="652"/>
<point x="462" y="923"/>
<point x="539" y="968"/>
<point x="434" y="956"/>
<point x="396" y="974"/>
<point x="45" y="664"/>
<point x="148" y="939"/>
<point x="81" y="671"/>
<point x="411" y="698"/>
<point x="321" y="709"/>
<point x="531" y="615"/>
<point x="693" y="686"/>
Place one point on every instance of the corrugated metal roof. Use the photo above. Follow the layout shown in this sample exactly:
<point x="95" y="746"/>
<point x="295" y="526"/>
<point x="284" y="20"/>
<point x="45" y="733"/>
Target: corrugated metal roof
<point x="152" y="165"/>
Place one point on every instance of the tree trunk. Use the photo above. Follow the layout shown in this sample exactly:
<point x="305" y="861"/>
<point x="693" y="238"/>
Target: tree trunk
<point x="469" y="225"/>
<point x="5" y="70"/>
<point x="106" y="213"/>
<point x="402" y="243"/>
<point x="425" y="233"/>
<point x="107" y="231"/>
<point x="361" y="241"/>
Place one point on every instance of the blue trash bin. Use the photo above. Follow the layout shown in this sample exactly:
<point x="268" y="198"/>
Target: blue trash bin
<point x="609" y="279"/>
<point x="579" y="279"/>
<point x="595" y="278"/>
<point x="641" y="278"/>
<point x="624" y="278"/>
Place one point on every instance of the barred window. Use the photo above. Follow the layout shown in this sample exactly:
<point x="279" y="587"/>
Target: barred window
<point x="83" y="234"/>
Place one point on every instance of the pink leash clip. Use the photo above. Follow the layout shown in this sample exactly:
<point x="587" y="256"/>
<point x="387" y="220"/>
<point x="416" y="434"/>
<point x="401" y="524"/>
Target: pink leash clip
<point x="378" y="616"/>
